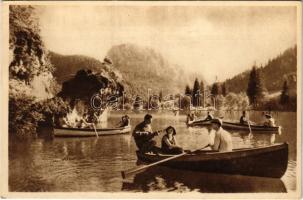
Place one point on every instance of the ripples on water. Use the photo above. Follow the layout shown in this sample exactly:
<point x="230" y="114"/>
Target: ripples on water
<point x="94" y="164"/>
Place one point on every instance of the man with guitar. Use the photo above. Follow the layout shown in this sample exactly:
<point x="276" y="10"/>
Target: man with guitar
<point x="144" y="135"/>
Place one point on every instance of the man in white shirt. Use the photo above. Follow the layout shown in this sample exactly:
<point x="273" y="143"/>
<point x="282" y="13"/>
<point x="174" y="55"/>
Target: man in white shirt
<point x="219" y="139"/>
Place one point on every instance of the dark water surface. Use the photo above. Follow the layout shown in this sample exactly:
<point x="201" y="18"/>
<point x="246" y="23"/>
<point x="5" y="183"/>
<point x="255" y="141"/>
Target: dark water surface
<point x="94" y="164"/>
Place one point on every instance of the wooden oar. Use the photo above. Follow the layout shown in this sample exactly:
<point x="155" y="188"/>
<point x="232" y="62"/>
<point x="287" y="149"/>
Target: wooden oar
<point x="139" y="168"/>
<point x="95" y="130"/>
<point x="250" y="132"/>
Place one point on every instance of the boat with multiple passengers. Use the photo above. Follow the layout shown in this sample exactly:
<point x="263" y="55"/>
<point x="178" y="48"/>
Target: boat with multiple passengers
<point x="269" y="161"/>
<point x="237" y="126"/>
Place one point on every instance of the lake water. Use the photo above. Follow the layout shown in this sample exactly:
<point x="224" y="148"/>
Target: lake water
<point x="94" y="164"/>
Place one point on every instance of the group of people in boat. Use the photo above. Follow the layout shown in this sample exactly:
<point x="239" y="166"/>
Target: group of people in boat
<point x="192" y="117"/>
<point x="269" y="120"/>
<point x="86" y="121"/>
<point x="219" y="139"/>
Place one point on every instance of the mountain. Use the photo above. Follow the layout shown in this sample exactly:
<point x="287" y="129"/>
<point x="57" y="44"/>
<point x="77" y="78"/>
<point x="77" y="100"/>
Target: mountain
<point x="274" y="73"/>
<point x="143" y="68"/>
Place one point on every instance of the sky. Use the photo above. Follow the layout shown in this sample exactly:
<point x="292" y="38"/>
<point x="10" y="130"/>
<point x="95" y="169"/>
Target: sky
<point x="217" y="41"/>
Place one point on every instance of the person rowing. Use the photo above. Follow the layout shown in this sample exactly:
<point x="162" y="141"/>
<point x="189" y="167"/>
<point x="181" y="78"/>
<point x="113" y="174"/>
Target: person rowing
<point x="144" y="135"/>
<point x="209" y="116"/>
<point x="188" y="119"/>
<point x="219" y="139"/>
<point x="169" y="143"/>
<point x="84" y="122"/>
<point x="243" y="119"/>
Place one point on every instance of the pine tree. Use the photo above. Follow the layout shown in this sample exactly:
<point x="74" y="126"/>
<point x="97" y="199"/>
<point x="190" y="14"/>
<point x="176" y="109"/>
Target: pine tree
<point x="202" y="92"/>
<point x="196" y="93"/>
<point x="224" y="92"/>
<point x="284" y="98"/>
<point x="255" y="89"/>
<point x="160" y="96"/>
<point x="215" y="89"/>
<point x="188" y="91"/>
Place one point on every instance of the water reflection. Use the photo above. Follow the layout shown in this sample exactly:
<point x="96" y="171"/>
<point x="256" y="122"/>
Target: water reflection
<point x="94" y="164"/>
<point x="167" y="179"/>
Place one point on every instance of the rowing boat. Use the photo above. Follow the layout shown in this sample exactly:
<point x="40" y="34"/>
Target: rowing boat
<point x="245" y="127"/>
<point x="238" y="126"/>
<point x="270" y="161"/>
<point x="199" y="123"/>
<point x="87" y="132"/>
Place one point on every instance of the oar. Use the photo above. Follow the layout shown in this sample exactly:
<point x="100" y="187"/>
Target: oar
<point x="95" y="130"/>
<point x="250" y="132"/>
<point x="139" y="168"/>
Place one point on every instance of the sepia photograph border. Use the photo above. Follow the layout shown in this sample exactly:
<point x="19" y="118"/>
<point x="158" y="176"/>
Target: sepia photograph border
<point x="4" y="91"/>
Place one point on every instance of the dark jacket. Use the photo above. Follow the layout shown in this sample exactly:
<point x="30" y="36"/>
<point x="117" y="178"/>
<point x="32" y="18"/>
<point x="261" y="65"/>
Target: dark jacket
<point x="142" y="134"/>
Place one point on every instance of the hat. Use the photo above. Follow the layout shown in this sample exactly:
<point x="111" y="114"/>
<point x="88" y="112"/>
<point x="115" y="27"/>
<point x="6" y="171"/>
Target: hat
<point x="267" y="115"/>
<point x="217" y="121"/>
<point x="170" y="127"/>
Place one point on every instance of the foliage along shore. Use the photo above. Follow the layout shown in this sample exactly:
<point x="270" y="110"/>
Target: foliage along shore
<point x="36" y="97"/>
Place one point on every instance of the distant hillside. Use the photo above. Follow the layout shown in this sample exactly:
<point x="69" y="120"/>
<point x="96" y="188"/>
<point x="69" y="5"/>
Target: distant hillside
<point x="66" y="66"/>
<point x="283" y="67"/>
<point x="144" y="68"/>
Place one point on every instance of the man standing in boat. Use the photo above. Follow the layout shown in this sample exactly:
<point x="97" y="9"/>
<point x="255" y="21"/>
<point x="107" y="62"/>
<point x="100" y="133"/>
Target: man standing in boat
<point x="144" y="135"/>
<point x="219" y="139"/>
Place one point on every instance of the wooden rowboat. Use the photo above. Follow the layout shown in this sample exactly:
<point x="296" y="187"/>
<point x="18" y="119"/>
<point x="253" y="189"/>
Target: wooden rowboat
<point x="199" y="123"/>
<point x="270" y="161"/>
<point x="87" y="132"/>
<point x="245" y="127"/>
<point x="238" y="126"/>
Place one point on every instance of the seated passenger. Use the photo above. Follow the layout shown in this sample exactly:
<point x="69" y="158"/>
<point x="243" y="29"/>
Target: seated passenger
<point x="82" y="123"/>
<point x="125" y="121"/>
<point x="243" y="119"/>
<point x="188" y="118"/>
<point x="269" y="121"/>
<point x="62" y="121"/>
<point x="193" y="117"/>
<point x="209" y="116"/>
<point x="169" y="143"/>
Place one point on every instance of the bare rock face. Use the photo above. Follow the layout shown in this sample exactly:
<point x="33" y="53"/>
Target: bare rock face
<point x="86" y="83"/>
<point x="29" y="61"/>
<point x="66" y="66"/>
